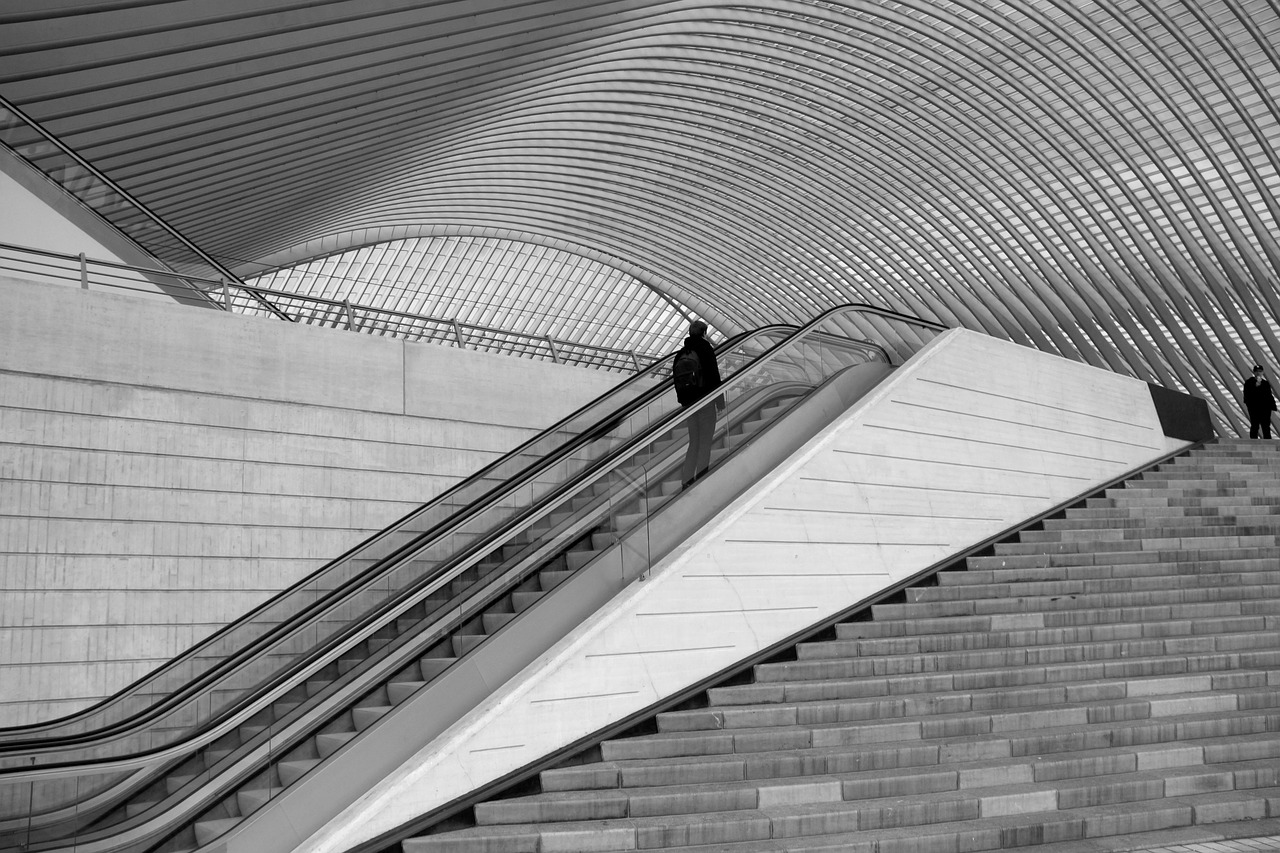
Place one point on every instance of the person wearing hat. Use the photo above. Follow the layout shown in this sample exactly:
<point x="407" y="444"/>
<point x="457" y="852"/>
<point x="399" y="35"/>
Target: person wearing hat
<point x="1259" y="402"/>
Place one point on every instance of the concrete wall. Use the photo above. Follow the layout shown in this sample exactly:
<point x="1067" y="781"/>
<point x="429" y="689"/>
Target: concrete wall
<point x="164" y="469"/>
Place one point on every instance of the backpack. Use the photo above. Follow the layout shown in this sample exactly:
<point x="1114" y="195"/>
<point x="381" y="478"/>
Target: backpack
<point x="687" y="373"/>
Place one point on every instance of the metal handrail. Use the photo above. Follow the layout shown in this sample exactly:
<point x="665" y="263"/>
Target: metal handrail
<point x="28" y="140"/>
<point x="237" y="297"/>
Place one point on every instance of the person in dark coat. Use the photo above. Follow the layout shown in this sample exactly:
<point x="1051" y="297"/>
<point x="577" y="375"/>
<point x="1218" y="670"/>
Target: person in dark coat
<point x="1259" y="402"/>
<point x="702" y="426"/>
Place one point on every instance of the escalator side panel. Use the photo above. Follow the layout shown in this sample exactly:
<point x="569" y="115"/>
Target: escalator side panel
<point x="969" y="437"/>
<point x="475" y="678"/>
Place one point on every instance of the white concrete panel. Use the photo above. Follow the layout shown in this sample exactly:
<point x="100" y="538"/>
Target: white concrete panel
<point x="968" y="438"/>
<point x="168" y="466"/>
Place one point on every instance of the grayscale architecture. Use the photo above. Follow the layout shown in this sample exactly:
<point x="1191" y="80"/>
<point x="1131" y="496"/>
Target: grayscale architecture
<point x="1096" y="179"/>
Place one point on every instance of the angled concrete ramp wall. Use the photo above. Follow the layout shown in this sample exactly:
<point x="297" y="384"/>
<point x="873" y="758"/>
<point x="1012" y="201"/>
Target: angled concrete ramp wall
<point x="969" y="437"/>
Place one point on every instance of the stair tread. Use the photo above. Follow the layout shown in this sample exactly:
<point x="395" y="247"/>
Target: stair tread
<point x="1076" y="823"/>
<point x="959" y="786"/>
<point x="908" y="731"/>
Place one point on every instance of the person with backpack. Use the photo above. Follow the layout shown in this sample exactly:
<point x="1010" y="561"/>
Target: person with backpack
<point x="696" y="374"/>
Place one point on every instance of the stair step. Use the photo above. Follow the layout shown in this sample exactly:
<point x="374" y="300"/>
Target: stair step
<point x="432" y="667"/>
<point x="832" y="827"/>
<point x="1171" y="568"/>
<point x="577" y="559"/>
<point x="250" y="800"/>
<point x="464" y="643"/>
<point x="947" y="790"/>
<point x="367" y="716"/>
<point x="330" y="742"/>
<point x="293" y="770"/>
<point x="1239" y="581"/>
<point x="550" y="580"/>
<point x="398" y="691"/>
<point x="494" y="621"/>
<point x="209" y="830"/>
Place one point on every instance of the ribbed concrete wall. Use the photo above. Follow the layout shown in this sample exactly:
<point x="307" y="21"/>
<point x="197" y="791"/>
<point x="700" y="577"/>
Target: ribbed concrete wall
<point x="164" y="469"/>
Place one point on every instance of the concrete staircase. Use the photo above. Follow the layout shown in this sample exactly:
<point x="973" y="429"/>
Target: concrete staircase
<point x="1113" y="674"/>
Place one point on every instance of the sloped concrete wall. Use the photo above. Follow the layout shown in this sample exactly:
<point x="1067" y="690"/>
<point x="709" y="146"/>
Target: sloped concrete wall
<point x="164" y="469"/>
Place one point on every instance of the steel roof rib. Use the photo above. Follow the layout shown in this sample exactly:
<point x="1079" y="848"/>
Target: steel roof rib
<point x="1096" y="178"/>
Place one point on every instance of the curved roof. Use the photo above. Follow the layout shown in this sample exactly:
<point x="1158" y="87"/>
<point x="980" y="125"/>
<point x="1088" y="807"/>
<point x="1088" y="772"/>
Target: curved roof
<point x="1096" y="178"/>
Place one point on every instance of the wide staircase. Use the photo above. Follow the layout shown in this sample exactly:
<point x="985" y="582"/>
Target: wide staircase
<point x="1106" y="681"/>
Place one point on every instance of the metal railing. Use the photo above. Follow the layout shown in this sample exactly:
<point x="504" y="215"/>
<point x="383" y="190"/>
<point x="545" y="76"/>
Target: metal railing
<point x="59" y="268"/>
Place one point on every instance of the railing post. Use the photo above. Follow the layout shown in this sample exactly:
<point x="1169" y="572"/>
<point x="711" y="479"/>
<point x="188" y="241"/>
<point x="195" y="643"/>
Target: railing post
<point x="457" y="333"/>
<point x="226" y="294"/>
<point x="555" y="356"/>
<point x="84" y="272"/>
<point x="351" y="317"/>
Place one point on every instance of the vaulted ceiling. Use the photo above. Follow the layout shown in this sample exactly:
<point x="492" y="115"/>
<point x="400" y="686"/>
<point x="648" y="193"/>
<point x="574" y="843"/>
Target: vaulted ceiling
<point x="1095" y="178"/>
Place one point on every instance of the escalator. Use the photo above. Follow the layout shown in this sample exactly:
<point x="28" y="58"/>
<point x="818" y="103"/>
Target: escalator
<point x="401" y="619"/>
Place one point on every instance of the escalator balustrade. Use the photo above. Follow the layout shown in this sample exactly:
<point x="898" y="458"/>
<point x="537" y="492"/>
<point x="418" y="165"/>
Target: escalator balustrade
<point x="425" y="627"/>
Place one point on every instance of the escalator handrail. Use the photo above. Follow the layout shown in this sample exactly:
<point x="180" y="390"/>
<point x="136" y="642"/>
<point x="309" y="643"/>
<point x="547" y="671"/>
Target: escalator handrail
<point x="31" y="739"/>
<point x="599" y="469"/>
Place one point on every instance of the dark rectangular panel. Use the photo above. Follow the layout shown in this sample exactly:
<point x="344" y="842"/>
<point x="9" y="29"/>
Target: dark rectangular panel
<point x="1182" y="415"/>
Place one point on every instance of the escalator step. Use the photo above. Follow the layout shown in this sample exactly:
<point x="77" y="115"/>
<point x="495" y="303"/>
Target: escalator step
<point x="432" y="667"/>
<point x="345" y="665"/>
<point x="550" y="580"/>
<point x="315" y="687"/>
<point x="601" y="541"/>
<point x="282" y="708"/>
<point x="578" y="559"/>
<point x="463" y="643"/>
<point x="522" y="599"/>
<point x="208" y="830"/>
<point x="292" y="771"/>
<point x="329" y="743"/>
<point x="623" y="523"/>
<point x="365" y="717"/>
<point x="398" y="691"/>
<point x="653" y="503"/>
<point x="493" y="621"/>
<point x="251" y="799"/>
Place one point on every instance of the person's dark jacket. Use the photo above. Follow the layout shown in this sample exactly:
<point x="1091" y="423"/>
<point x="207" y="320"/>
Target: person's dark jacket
<point x="710" y="370"/>
<point x="1258" y="396"/>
